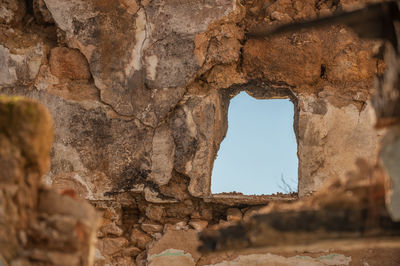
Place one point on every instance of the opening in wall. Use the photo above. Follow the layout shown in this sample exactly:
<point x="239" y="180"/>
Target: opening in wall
<point x="259" y="153"/>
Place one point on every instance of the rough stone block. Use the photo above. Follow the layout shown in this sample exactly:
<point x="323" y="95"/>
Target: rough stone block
<point x="68" y="63"/>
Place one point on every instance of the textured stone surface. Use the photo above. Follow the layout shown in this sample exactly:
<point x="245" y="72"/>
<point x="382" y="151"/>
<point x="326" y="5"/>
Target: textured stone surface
<point x="270" y="259"/>
<point x="140" y="238"/>
<point x="172" y="256"/>
<point x="151" y="228"/>
<point x="20" y="66"/>
<point x="190" y="122"/>
<point x="329" y="137"/>
<point x="117" y="67"/>
<point x="41" y="13"/>
<point x="73" y="155"/>
<point x="12" y="11"/>
<point x="68" y="63"/>
<point x="198" y="225"/>
<point x="110" y="246"/>
<point x="181" y="244"/>
<point x="140" y="90"/>
<point x="155" y="213"/>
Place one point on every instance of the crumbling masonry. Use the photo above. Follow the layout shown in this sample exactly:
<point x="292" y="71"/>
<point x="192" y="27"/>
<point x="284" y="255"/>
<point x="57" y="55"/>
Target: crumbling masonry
<point x="139" y="93"/>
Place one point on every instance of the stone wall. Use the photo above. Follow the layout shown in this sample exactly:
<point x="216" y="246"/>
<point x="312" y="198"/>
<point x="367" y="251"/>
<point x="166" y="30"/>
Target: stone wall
<point x="139" y="92"/>
<point x="38" y="225"/>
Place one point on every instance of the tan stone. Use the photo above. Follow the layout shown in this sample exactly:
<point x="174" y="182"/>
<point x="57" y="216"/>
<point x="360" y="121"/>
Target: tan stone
<point x="151" y="228"/>
<point x="163" y="153"/>
<point x="110" y="246"/>
<point x="68" y="63"/>
<point x="179" y="243"/>
<point x="131" y="5"/>
<point x="111" y="229"/>
<point x="139" y="238"/>
<point x="223" y="223"/>
<point x="156" y="236"/>
<point x="234" y="215"/>
<point x="271" y="259"/>
<point x="195" y="215"/>
<point x="285" y="18"/>
<point x="198" y="225"/>
<point x="171" y="257"/>
<point x="141" y="259"/>
<point x="177" y="226"/>
<point x="206" y="214"/>
<point x="131" y="251"/>
<point x="155" y="213"/>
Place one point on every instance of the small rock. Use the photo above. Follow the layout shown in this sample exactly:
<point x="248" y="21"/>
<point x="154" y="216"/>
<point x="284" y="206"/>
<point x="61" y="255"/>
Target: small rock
<point x="110" y="213"/>
<point x="69" y="63"/>
<point x="325" y="12"/>
<point x="178" y="226"/>
<point x="131" y="251"/>
<point x="181" y="226"/>
<point x="188" y="202"/>
<point x="141" y="259"/>
<point x="155" y="213"/>
<point x="140" y="239"/>
<point x="151" y="228"/>
<point x="156" y="236"/>
<point x="142" y="219"/>
<point x="198" y="225"/>
<point x="206" y="214"/>
<point x="109" y="246"/>
<point x="234" y="215"/>
<point x="171" y="220"/>
<point x="195" y="215"/>
<point x="282" y="17"/>
<point x="111" y="229"/>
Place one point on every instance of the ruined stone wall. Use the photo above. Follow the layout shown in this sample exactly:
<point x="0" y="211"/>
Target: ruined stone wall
<point x="139" y="92"/>
<point x="38" y="226"/>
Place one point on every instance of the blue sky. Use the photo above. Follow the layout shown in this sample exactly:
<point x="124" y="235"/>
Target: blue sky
<point x="259" y="148"/>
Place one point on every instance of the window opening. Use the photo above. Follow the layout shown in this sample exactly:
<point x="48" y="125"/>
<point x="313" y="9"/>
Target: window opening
<point x="259" y="153"/>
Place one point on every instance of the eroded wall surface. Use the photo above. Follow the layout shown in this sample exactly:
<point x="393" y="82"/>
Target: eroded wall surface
<point x="139" y="93"/>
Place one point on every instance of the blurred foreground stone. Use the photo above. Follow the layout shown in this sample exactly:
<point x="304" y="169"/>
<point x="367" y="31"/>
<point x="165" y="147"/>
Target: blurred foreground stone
<point x="348" y="208"/>
<point x="38" y="226"/>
